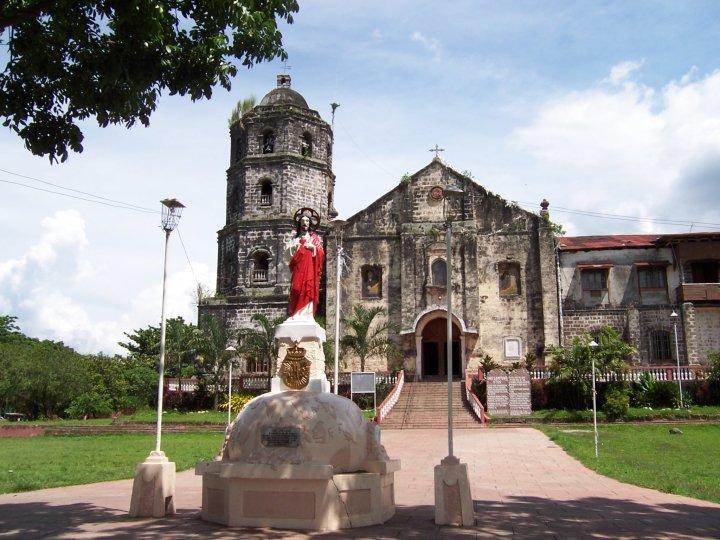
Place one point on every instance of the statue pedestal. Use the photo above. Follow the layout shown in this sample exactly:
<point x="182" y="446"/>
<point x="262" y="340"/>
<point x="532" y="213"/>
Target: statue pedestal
<point x="310" y="336"/>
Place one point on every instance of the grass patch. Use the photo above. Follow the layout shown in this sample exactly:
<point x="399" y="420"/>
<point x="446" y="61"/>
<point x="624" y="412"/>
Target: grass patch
<point x="650" y="456"/>
<point x="53" y="461"/>
<point x="551" y="416"/>
<point x="177" y="417"/>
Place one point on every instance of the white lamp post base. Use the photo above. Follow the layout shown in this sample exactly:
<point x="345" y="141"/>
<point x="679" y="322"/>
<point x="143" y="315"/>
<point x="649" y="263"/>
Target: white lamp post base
<point x="153" y="493"/>
<point x="453" y="502"/>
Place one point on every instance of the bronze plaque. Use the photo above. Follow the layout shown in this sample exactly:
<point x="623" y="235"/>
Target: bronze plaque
<point x="295" y="368"/>
<point x="280" y="437"/>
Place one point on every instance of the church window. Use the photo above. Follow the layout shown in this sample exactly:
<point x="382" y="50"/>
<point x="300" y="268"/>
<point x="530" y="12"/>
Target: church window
<point x="660" y="346"/>
<point x="438" y="269"/>
<point x="261" y="265"/>
<point x="306" y="148"/>
<point x="509" y="278"/>
<point x="266" y="193"/>
<point x="371" y="281"/>
<point x="268" y="143"/>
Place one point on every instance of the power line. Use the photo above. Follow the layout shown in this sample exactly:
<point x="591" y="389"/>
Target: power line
<point x="146" y="211"/>
<point x="391" y="175"/>
<point x="129" y="205"/>
<point x="187" y="257"/>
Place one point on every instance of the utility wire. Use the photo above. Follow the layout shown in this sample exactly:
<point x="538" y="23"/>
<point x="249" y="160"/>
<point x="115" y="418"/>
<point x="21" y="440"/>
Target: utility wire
<point x="391" y="175"/>
<point x="187" y="257"/>
<point x="129" y="205"/>
<point x="121" y="205"/>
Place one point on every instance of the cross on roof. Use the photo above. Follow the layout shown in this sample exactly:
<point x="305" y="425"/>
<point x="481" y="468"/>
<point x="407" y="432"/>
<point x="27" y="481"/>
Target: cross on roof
<point x="437" y="150"/>
<point x="286" y="67"/>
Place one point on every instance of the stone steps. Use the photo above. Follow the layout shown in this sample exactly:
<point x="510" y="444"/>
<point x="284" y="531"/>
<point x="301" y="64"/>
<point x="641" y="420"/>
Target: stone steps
<point x="424" y="405"/>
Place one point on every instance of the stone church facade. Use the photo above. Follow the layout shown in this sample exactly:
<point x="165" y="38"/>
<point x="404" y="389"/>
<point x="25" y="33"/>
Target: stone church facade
<point x="517" y="289"/>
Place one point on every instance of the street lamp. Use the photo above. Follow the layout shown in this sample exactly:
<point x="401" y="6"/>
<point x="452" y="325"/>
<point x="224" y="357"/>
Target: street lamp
<point x="674" y="317"/>
<point x="593" y="346"/>
<point x="154" y="483"/>
<point x="449" y="192"/>
<point x="448" y="508"/>
<point x="230" y="351"/>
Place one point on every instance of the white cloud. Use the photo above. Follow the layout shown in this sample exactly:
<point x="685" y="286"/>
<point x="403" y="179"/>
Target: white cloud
<point x="59" y="294"/>
<point x="628" y="149"/>
<point x="621" y="72"/>
<point x="430" y="43"/>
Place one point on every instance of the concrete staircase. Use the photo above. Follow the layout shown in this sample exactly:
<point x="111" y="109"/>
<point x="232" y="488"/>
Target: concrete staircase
<point x="424" y="405"/>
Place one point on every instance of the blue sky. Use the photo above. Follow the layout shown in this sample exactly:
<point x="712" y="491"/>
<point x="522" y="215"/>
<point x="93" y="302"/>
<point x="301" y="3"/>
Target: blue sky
<point x="609" y="107"/>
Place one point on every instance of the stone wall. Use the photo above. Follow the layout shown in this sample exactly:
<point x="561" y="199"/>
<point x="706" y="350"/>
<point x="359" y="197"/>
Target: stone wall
<point x="707" y="327"/>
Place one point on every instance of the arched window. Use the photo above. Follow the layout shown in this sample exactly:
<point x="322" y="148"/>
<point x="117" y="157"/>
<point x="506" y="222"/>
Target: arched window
<point x="306" y="145"/>
<point x="268" y="144"/>
<point x="439" y="273"/>
<point x="660" y="350"/>
<point x="261" y="265"/>
<point x="266" y="192"/>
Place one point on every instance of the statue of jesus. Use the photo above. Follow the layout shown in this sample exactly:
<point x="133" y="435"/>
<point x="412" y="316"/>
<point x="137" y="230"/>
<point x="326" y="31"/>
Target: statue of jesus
<point x="306" y="263"/>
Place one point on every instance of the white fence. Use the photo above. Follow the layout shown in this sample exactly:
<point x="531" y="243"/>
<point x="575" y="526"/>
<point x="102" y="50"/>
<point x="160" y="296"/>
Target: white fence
<point x="391" y="399"/>
<point x="660" y="373"/>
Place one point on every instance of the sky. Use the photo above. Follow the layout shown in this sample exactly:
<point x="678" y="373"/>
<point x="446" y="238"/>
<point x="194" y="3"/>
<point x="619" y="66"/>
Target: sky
<point x="599" y="107"/>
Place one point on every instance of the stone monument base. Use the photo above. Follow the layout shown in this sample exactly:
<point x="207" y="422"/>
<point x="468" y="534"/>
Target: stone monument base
<point x="307" y="496"/>
<point x="153" y="493"/>
<point x="310" y="336"/>
<point x="453" y="502"/>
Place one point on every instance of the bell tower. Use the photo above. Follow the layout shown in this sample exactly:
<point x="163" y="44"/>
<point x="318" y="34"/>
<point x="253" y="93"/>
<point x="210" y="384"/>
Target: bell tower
<point x="280" y="161"/>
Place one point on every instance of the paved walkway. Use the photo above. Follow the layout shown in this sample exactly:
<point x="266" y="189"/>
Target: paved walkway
<point x="524" y="486"/>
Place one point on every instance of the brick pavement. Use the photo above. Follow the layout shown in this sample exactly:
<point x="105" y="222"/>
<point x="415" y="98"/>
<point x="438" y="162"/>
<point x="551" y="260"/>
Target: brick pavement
<point x="524" y="486"/>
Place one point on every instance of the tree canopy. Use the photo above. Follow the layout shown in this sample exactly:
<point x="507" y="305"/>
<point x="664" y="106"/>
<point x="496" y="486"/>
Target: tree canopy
<point x="70" y="60"/>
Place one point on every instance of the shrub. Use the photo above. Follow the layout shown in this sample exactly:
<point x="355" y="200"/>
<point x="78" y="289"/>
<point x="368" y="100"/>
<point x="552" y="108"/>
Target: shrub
<point x="90" y="405"/>
<point x="237" y="403"/>
<point x="617" y="403"/>
<point x="479" y="388"/>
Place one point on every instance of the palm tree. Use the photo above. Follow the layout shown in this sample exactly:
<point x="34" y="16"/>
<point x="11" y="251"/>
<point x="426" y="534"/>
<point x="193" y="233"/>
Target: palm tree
<point x="210" y="340"/>
<point x="243" y="106"/>
<point x="368" y="339"/>
<point x="260" y="342"/>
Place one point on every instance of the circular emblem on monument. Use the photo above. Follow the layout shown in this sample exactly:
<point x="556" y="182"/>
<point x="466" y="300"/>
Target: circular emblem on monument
<point x="436" y="193"/>
<point x="295" y="368"/>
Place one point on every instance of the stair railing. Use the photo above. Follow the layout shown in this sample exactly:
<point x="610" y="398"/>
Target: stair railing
<point x="391" y="399"/>
<point x="474" y="402"/>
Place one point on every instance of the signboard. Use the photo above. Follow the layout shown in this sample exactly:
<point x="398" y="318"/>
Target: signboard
<point x="280" y="437"/>
<point x="363" y="382"/>
<point x="508" y="394"/>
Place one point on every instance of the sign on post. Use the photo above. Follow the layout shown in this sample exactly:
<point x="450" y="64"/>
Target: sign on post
<point x="363" y="382"/>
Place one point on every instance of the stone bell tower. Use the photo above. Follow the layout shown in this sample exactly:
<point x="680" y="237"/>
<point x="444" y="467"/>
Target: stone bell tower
<point x="280" y="161"/>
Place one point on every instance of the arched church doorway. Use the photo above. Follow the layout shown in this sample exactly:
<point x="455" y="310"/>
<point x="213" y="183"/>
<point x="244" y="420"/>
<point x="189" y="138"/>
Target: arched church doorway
<point x="434" y="349"/>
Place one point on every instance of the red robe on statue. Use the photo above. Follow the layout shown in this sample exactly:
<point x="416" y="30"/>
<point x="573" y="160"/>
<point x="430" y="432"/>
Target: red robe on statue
<point x="306" y="271"/>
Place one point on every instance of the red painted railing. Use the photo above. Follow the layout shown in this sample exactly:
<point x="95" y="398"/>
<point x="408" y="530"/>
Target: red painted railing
<point x="474" y="402"/>
<point x="391" y="399"/>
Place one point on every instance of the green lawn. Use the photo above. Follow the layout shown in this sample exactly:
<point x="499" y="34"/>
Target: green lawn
<point x="634" y="415"/>
<point x="650" y="456"/>
<point x="52" y="461"/>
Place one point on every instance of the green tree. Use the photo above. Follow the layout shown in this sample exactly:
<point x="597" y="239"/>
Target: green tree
<point x="366" y="337"/>
<point x="260" y="342"/>
<point x="70" y="60"/>
<point x="144" y="345"/>
<point x="573" y="364"/>
<point x="210" y="339"/>
<point x="242" y="107"/>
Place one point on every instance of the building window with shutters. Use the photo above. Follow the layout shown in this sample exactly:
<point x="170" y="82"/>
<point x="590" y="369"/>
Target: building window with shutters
<point x="660" y="347"/>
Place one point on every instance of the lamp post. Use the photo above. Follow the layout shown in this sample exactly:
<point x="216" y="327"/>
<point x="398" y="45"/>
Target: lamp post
<point x="448" y="192"/>
<point x="230" y="351"/>
<point x="674" y="317"/>
<point x="171" y="212"/>
<point x="593" y="346"/>
<point x="154" y="483"/>
<point x="455" y="508"/>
